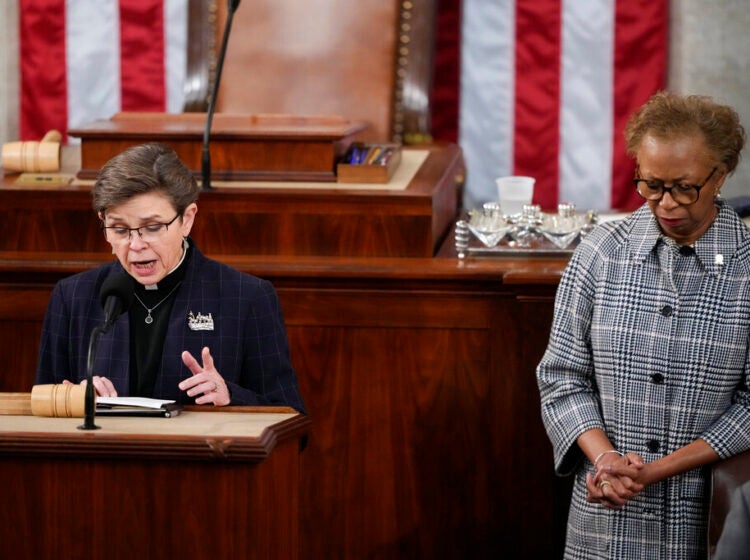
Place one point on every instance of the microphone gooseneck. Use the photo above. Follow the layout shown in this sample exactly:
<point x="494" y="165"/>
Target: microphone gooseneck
<point x="115" y="296"/>
<point x="206" y="154"/>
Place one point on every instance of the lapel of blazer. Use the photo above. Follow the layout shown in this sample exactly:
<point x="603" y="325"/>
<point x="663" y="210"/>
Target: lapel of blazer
<point x="190" y="297"/>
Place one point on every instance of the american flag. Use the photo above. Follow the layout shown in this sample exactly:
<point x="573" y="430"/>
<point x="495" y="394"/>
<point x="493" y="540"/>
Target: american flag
<point x="83" y="60"/>
<point x="546" y="86"/>
<point x="546" y="89"/>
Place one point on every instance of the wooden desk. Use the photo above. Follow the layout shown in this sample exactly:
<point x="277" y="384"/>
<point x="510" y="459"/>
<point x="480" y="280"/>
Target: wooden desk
<point x="417" y="371"/>
<point x="278" y="220"/>
<point x="200" y="485"/>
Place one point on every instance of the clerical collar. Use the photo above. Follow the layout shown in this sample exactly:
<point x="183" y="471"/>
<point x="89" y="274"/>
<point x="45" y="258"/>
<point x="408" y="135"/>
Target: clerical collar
<point x="165" y="282"/>
<point x="169" y="281"/>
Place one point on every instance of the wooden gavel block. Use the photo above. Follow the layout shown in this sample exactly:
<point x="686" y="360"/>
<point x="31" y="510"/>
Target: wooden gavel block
<point x="33" y="157"/>
<point x="59" y="400"/>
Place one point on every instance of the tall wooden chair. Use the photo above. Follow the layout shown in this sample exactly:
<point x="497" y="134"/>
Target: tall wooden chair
<point x="368" y="60"/>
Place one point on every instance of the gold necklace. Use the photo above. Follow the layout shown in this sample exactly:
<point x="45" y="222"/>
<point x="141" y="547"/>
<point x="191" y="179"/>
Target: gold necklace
<point x="149" y="318"/>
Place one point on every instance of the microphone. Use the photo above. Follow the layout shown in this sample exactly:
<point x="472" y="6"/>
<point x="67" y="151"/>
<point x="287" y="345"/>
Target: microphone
<point x="206" y="155"/>
<point x="115" y="296"/>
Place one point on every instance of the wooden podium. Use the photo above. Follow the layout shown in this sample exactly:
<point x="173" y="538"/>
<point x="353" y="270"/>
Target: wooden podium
<point x="214" y="483"/>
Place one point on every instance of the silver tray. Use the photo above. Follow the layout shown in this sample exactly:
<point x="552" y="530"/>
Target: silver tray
<point x="541" y="249"/>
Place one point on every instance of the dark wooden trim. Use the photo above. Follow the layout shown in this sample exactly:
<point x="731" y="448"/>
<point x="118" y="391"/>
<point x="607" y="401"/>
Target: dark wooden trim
<point x="107" y="444"/>
<point x="201" y="54"/>
<point x="415" y="60"/>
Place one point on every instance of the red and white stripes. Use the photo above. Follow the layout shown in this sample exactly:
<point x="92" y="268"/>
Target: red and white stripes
<point x="88" y="59"/>
<point x="546" y="89"/>
<point x="546" y="85"/>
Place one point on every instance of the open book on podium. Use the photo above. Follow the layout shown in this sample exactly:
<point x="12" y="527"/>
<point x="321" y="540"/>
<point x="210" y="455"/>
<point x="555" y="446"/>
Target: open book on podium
<point x="263" y="147"/>
<point x="136" y="406"/>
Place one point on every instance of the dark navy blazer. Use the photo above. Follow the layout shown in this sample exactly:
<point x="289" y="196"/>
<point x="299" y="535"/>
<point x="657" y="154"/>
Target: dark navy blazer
<point x="248" y="341"/>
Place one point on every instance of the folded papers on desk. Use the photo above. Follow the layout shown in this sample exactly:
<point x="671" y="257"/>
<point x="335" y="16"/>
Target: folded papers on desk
<point x="136" y="406"/>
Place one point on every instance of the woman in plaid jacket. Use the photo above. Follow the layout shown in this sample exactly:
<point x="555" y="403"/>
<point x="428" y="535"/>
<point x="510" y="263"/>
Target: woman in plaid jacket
<point x="645" y="379"/>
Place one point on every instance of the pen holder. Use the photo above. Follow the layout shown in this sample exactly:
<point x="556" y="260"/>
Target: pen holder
<point x="368" y="163"/>
<point x="33" y="157"/>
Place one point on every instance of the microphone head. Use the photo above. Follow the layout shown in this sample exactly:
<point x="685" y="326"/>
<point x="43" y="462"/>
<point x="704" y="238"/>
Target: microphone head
<point x="116" y="296"/>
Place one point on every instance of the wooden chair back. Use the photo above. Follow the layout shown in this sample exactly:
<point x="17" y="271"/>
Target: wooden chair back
<point x="370" y="60"/>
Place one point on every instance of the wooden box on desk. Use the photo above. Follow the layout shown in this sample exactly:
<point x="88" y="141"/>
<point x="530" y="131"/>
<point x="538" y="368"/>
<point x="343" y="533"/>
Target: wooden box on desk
<point x="380" y="170"/>
<point x="242" y="147"/>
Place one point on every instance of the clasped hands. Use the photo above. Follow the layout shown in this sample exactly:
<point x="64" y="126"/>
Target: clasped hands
<point x="617" y="479"/>
<point x="206" y="381"/>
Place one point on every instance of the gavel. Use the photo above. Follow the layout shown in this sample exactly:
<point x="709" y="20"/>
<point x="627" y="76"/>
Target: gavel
<point x="64" y="400"/>
<point x="33" y="157"/>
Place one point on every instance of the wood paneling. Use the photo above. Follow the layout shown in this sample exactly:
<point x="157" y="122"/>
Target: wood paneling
<point x="418" y="372"/>
<point x="114" y="503"/>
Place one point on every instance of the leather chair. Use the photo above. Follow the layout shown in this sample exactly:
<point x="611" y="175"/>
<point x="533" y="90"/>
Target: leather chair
<point x="726" y="478"/>
<point x="367" y="60"/>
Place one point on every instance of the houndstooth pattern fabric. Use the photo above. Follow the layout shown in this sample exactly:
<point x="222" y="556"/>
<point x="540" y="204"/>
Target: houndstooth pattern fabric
<point x="649" y="344"/>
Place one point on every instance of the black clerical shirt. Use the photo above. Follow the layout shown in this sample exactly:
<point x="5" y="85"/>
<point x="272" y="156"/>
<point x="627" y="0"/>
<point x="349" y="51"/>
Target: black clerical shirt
<point x="147" y="340"/>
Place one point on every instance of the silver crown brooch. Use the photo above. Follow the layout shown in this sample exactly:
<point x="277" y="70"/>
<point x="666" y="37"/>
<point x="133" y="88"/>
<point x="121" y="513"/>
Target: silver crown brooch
<point x="200" y="322"/>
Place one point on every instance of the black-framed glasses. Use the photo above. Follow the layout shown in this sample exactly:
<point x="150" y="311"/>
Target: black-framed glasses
<point x="149" y="232"/>
<point x="652" y="189"/>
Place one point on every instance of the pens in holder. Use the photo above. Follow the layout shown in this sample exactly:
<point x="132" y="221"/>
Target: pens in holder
<point x="383" y="157"/>
<point x="368" y="163"/>
<point x="372" y="156"/>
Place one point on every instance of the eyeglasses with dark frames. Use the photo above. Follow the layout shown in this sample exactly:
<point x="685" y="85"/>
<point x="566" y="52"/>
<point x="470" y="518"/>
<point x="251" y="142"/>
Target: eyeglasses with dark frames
<point x="149" y="232"/>
<point x="652" y="189"/>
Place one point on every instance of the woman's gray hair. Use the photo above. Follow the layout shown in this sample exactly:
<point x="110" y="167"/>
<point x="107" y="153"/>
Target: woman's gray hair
<point x="143" y="169"/>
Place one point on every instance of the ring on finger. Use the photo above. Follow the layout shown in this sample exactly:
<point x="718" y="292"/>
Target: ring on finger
<point x="604" y="483"/>
<point x="216" y="387"/>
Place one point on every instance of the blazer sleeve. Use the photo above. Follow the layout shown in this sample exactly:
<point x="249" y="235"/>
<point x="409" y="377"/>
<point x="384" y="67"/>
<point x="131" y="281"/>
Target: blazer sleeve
<point x="267" y="376"/>
<point x="565" y="375"/>
<point x="53" y="364"/>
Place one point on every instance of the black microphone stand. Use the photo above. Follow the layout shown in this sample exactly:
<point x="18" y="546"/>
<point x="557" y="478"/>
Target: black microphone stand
<point x="206" y="155"/>
<point x="90" y="394"/>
